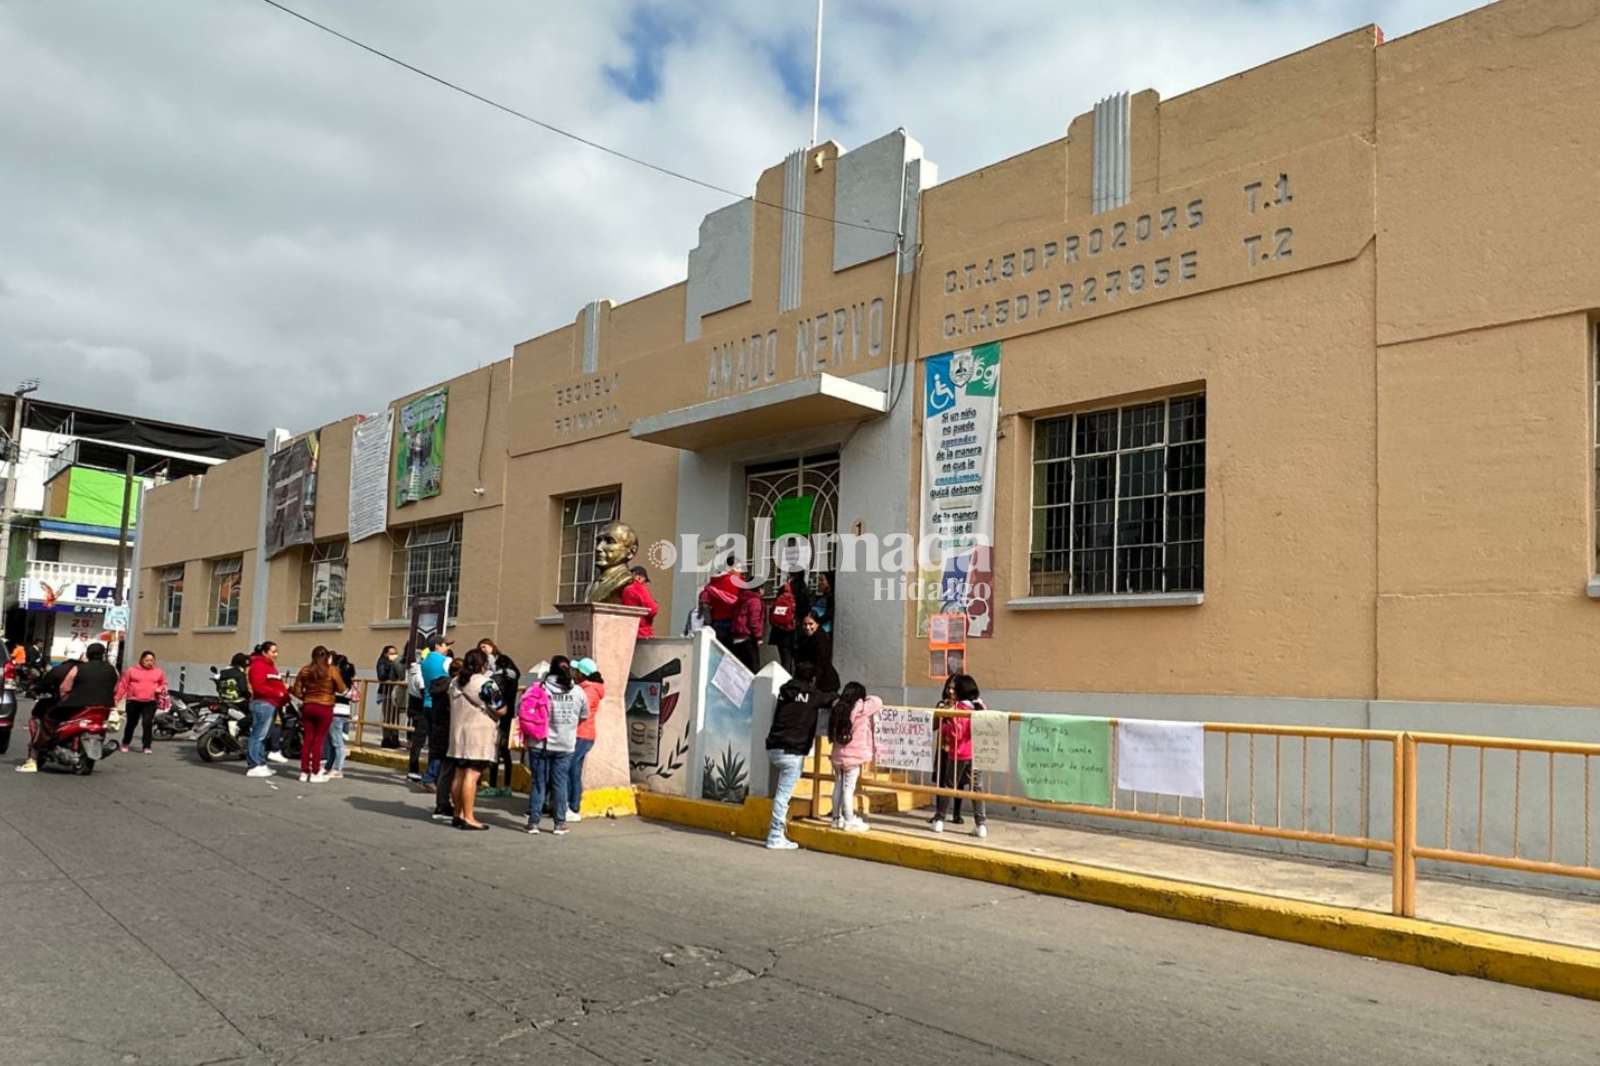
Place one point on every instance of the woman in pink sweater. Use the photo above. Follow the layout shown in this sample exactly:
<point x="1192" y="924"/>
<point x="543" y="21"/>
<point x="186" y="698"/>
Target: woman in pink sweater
<point x="850" y="732"/>
<point x="142" y="688"/>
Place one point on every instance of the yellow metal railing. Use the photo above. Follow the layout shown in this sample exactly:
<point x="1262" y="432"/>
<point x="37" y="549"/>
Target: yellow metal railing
<point x="1257" y="808"/>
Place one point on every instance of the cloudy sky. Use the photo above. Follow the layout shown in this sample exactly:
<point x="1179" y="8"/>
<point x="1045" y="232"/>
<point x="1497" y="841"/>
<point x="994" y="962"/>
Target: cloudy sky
<point x="211" y="212"/>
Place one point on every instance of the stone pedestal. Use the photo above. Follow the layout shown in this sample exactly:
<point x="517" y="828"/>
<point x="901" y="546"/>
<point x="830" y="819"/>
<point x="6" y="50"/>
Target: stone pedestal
<point x="606" y="632"/>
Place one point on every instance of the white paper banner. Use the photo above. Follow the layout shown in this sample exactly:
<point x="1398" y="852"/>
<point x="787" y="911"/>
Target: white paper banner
<point x="903" y="738"/>
<point x="369" y="474"/>
<point x="1165" y="757"/>
<point x="732" y="679"/>
<point x="991" y="741"/>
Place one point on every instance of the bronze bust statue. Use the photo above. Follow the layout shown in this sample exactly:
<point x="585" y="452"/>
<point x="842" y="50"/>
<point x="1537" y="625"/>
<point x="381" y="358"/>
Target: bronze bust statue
<point x="614" y="548"/>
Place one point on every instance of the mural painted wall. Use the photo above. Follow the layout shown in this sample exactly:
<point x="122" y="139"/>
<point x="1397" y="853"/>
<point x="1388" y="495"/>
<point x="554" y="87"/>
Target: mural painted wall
<point x="725" y="741"/>
<point x="660" y="714"/>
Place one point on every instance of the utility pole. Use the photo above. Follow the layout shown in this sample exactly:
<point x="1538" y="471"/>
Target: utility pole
<point x="14" y="454"/>
<point x="122" y="550"/>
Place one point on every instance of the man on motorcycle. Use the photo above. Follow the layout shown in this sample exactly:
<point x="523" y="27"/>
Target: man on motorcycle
<point x="69" y="688"/>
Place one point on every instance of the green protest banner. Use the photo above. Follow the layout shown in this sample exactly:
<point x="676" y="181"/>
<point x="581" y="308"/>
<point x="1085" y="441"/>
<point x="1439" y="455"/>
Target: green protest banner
<point x="1065" y="759"/>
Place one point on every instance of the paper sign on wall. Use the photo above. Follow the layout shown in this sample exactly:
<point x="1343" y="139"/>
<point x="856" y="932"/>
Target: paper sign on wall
<point x="991" y="740"/>
<point x="903" y="737"/>
<point x="1165" y="757"/>
<point x="791" y="517"/>
<point x="732" y="679"/>
<point x="1064" y="758"/>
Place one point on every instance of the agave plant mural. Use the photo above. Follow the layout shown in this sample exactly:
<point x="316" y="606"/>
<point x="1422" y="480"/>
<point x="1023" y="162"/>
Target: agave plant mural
<point x="725" y="779"/>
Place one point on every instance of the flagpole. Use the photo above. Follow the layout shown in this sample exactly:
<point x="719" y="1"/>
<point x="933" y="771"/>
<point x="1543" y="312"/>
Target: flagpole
<point x="816" y="79"/>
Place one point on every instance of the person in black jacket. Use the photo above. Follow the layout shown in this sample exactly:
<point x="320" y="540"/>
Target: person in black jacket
<point x="91" y="683"/>
<point x="391" y="696"/>
<point x="794" y="730"/>
<point x="815" y="646"/>
<point x="509" y="677"/>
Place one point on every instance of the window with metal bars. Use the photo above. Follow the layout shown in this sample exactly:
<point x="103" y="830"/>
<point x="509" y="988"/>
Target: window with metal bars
<point x="427" y="561"/>
<point x="1119" y="500"/>
<point x="581" y="518"/>
<point x="226" y="577"/>
<point x="322" y="574"/>
<point x="169" y="602"/>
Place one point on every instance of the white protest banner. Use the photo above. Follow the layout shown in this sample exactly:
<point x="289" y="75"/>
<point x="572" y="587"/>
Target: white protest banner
<point x="369" y="474"/>
<point x="991" y="741"/>
<point x="732" y="679"/>
<point x="1164" y="757"/>
<point x="903" y="738"/>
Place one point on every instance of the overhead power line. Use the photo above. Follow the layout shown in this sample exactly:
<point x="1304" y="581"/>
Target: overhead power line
<point x="596" y="145"/>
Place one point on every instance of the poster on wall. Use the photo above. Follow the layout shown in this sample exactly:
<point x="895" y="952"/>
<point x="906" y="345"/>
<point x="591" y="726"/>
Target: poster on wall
<point x="724" y="736"/>
<point x="292" y="494"/>
<point x="428" y="621"/>
<point x="369" y="474"/>
<point x="960" y="417"/>
<point x="419" y="458"/>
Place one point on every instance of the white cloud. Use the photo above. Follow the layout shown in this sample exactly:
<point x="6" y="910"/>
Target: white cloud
<point x="215" y="213"/>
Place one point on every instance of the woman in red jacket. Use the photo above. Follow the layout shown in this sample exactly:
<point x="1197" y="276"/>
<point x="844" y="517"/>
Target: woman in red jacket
<point x="142" y="688"/>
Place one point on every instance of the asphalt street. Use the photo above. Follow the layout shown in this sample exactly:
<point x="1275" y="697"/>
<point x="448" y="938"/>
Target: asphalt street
<point x="167" y="911"/>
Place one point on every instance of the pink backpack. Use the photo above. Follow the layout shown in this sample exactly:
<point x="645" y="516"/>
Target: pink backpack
<point x="533" y="713"/>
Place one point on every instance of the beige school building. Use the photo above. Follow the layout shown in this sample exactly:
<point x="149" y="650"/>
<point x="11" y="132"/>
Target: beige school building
<point x="1296" y="407"/>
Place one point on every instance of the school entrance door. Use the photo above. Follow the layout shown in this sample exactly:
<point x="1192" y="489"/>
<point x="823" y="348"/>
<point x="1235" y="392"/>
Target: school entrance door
<point x="816" y="476"/>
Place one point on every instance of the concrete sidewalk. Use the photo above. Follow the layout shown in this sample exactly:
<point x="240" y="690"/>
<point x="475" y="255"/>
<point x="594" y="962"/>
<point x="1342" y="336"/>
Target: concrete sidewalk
<point x="1547" y="916"/>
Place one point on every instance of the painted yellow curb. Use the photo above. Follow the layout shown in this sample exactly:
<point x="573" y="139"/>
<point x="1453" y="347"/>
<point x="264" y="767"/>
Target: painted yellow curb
<point x="1445" y="948"/>
<point x="615" y="802"/>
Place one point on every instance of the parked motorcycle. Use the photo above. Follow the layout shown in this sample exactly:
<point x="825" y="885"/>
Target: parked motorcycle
<point x="182" y="716"/>
<point x="224" y="732"/>
<point x="75" y="744"/>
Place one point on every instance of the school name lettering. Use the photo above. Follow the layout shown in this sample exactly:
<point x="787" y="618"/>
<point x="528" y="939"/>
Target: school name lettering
<point x="1139" y="267"/>
<point x="829" y="340"/>
<point x="589" y="404"/>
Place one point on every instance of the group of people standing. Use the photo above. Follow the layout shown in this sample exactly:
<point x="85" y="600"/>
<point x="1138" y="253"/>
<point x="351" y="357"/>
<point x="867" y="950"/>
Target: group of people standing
<point x="323" y="688"/>
<point x="464" y="710"/>
<point x="797" y="621"/>
<point x="849" y="727"/>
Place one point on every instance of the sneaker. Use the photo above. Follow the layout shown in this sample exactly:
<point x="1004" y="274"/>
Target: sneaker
<point x="958" y="820"/>
<point x="144" y="751"/>
<point x="438" y="817"/>
<point x="413" y="777"/>
<point x="305" y="776"/>
<point x="856" y="825"/>
<point x="937" y="825"/>
<point x="318" y="778"/>
<point x="782" y="845"/>
<point x="260" y="771"/>
<point x="124" y="748"/>
<point x="276" y="756"/>
<point x="574" y="816"/>
<point x="335" y="775"/>
<point x="836" y="822"/>
<point x="533" y="827"/>
<point x="28" y="767"/>
<point x="560" y="830"/>
<point x="980" y="830"/>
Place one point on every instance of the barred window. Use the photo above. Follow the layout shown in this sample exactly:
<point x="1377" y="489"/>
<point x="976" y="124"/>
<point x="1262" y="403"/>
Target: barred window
<point x="428" y="561"/>
<point x="169" y="598"/>
<point x="581" y="519"/>
<point x="226" y="577"/>
<point x="1119" y="500"/>
<point x="322" y="573"/>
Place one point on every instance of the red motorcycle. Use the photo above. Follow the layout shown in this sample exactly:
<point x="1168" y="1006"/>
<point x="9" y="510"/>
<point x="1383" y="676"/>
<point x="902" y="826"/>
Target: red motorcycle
<point x="76" y="743"/>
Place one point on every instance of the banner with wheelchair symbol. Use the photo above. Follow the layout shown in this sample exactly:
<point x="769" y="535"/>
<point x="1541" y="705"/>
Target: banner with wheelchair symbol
<point x="961" y="408"/>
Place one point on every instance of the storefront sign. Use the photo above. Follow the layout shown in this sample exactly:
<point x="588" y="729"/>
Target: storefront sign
<point x="419" y="461"/>
<point x="961" y="401"/>
<point x="369" y="474"/>
<point x="292" y="494"/>
<point x="66" y="598"/>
